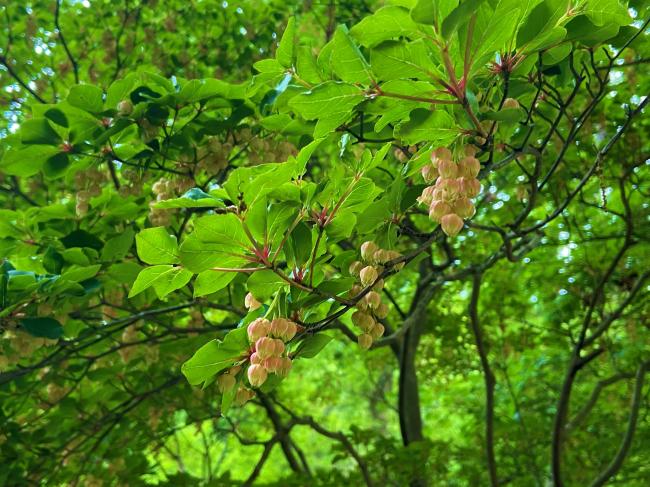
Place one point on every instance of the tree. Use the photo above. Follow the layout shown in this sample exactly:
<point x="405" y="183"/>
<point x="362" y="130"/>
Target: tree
<point x="324" y="243"/>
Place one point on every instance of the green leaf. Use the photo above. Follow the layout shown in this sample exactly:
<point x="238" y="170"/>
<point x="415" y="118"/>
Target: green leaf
<point x="26" y="161"/>
<point x="342" y="226"/>
<point x="260" y="180"/>
<point x="270" y="66"/>
<point x="256" y="219"/>
<point x="425" y="125"/>
<point x="375" y="215"/>
<point x="157" y="246"/>
<point x="263" y="284"/>
<point x="306" y="66"/>
<point x="347" y="62"/>
<point x="331" y="102"/>
<point x="56" y="165"/>
<point x="395" y="111"/>
<point x="198" y="256"/>
<point x="312" y="345"/>
<point x="78" y="274"/>
<point x="279" y="218"/>
<point x="119" y="90"/>
<point x="361" y="196"/>
<point x="581" y="29"/>
<point x="550" y="38"/>
<point x="57" y="116"/>
<point x="386" y="23"/>
<point x="38" y="131"/>
<point x="226" y="400"/>
<point x="208" y="282"/>
<point x="204" y="89"/>
<point x="52" y="261"/>
<point x="556" y="54"/>
<point x="194" y="198"/>
<point x="602" y="12"/>
<point x="118" y="247"/>
<point x="299" y="246"/>
<point x="399" y="60"/>
<point x="42" y="327"/>
<point x="164" y="279"/>
<point x="215" y="356"/>
<point x="493" y="31"/>
<point x="286" y="50"/>
<point x="305" y="154"/>
<point x="217" y="241"/>
<point x="459" y="16"/>
<point x="225" y="229"/>
<point x="82" y="238"/>
<point x="509" y="115"/>
<point x="86" y="97"/>
<point x="431" y="11"/>
<point x="541" y="20"/>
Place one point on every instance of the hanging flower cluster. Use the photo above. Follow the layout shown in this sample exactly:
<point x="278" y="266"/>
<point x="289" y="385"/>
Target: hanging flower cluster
<point x="268" y="355"/>
<point x="89" y="184"/>
<point x="370" y="309"/>
<point x="456" y="183"/>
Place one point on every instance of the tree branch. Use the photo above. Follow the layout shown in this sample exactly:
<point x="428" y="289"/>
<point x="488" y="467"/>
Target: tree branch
<point x="489" y="379"/>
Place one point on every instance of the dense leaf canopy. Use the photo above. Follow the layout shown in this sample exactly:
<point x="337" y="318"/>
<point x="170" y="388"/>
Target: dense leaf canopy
<point x="324" y="243"/>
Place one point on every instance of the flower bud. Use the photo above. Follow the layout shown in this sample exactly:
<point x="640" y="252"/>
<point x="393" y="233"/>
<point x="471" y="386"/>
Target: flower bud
<point x="363" y="320"/>
<point x="265" y="347"/>
<point x="381" y="256"/>
<point x="510" y="103"/>
<point x="285" y="367"/>
<point x="365" y="341"/>
<point x="278" y="327"/>
<point x="257" y="375"/>
<point x="377" y="331"/>
<point x="438" y="210"/>
<point x="469" y="167"/>
<point x="355" y="289"/>
<point x="272" y="364"/>
<point x="243" y="395"/>
<point x="373" y="299"/>
<point x="443" y="153"/>
<point x="451" y="224"/>
<point x="447" y="169"/>
<point x="367" y="250"/>
<point x="393" y="255"/>
<point x="292" y="329"/>
<point x="451" y="187"/>
<point x="471" y="150"/>
<point x="258" y="328"/>
<point x="464" y="208"/>
<point x="255" y="358"/>
<point x="368" y="275"/>
<point x="355" y="268"/>
<point x="429" y="173"/>
<point x="382" y="311"/>
<point x="439" y="194"/>
<point x="470" y="187"/>
<point x="362" y="305"/>
<point x="124" y="108"/>
<point x="521" y="193"/>
<point x="251" y="303"/>
<point x="225" y="382"/>
<point x="278" y="347"/>
<point x="427" y="195"/>
<point x="379" y="285"/>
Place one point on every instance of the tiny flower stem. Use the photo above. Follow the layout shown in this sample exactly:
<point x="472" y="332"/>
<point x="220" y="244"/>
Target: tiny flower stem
<point x="301" y="215"/>
<point x="313" y="256"/>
